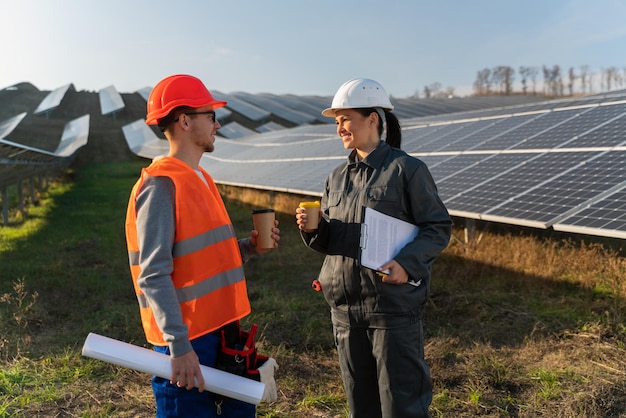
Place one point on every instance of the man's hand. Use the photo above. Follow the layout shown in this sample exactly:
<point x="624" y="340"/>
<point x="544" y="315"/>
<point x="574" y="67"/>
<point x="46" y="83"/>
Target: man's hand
<point x="275" y="236"/>
<point x="186" y="371"/>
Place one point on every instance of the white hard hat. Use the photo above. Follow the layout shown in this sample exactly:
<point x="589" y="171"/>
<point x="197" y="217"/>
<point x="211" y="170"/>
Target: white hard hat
<point x="359" y="93"/>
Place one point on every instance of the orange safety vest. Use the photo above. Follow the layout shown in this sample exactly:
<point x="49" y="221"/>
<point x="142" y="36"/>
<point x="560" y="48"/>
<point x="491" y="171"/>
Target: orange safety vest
<point x="208" y="269"/>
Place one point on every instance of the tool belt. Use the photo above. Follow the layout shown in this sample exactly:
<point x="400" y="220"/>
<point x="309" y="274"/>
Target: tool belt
<point x="238" y="354"/>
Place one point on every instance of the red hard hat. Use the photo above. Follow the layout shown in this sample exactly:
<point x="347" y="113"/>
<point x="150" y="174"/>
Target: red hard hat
<point x="178" y="90"/>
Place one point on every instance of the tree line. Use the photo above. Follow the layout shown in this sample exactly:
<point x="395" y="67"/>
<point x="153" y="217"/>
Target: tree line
<point x="548" y="81"/>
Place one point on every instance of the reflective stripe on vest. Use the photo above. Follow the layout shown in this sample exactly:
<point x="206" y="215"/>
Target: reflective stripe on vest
<point x="186" y="294"/>
<point x="193" y="244"/>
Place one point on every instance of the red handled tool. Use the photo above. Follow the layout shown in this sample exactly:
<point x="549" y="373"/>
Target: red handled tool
<point x="316" y="285"/>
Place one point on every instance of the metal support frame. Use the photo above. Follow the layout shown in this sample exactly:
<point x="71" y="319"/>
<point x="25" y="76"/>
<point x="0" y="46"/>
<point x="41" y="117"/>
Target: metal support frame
<point x="20" y="195"/>
<point x="470" y="233"/>
<point x="5" y="206"/>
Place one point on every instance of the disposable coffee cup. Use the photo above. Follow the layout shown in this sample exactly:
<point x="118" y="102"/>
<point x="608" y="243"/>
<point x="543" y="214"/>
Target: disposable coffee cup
<point x="263" y="220"/>
<point x="312" y="210"/>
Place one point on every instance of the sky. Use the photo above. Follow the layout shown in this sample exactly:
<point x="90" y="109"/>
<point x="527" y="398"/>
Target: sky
<point x="302" y="47"/>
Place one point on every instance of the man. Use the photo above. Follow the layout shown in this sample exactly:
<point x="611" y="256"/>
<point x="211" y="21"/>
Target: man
<point x="185" y="260"/>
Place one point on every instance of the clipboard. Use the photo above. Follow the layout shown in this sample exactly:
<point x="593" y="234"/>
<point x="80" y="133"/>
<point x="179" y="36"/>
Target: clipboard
<point x="382" y="238"/>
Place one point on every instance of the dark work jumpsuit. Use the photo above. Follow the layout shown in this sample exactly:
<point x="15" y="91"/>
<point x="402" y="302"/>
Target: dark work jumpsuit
<point x="377" y="326"/>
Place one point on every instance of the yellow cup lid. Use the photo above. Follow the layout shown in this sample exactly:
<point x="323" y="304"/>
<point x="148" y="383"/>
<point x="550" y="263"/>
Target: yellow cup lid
<point x="305" y="205"/>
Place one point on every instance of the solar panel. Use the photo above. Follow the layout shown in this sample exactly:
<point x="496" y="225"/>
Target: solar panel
<point x="608" y="131"/>
<point x="274" y="106"/>
<point x="248" y="110"/>
<point x="484" y="136"/>
<point x="526" y="171"/>
<point x="144" y="92"/>
<point x="75" y="135"/>
<point x="142" y="140"/>
<point x="605" y="217"/>
<point x="235" y="130"/>
<point x="419" y="139"/>
<point x="52" y="100"/>
<point x="556" y="128"/>
<point x="222" y="113"/>
<point x="448" y="141"/>
<point x="10" y="124"/>
<point x="110" y="100"/>
<point x="448" y="165"/>
<point x="310" y="106"/>
<point x="269" y="127"/>
<point x="533" y="125"/>
<point x="476" y="173"/>
<point x="543" y="205"/>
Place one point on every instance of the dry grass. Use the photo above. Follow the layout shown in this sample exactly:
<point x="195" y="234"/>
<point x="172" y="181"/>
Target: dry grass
<point x="523" y="326"/>
<point x="517" y="325"/>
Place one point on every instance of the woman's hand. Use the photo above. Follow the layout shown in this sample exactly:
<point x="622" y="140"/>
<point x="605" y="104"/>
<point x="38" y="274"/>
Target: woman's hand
<point x="301" y="220"/>
<point x="397" y="273"/>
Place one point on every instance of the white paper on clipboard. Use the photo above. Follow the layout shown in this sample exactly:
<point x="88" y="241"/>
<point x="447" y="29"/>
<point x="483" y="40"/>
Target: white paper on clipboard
<point x="382" y="238"/>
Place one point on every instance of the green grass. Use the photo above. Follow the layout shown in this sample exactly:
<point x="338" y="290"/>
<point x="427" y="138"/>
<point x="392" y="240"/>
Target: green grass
<point x="518" y="326"/>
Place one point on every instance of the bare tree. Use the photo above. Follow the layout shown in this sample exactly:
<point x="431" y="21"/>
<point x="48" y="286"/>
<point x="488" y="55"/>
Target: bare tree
<point x="497" y="77"/>
<point x="546" y="79"/>
<point x="482" y="85"/>
<point x="590" y="81"/>
<point x="501" y="79"/>
<point x="503" y="76"/>
<point x="612" y="78"/>
<point x="426" y="92"/>
<point x="584" y="81"/>
<point x="617" y="77"/>
<point x="524" y="72"/>
<point x="555" y="82"/>
<point x="509" y="77"/>
<point x="434" y="90"/>
<point x="558" y="79"/>
<point x="608" y="75"/>
<point x="532" y="74"/>
<point x="572" y="80"/>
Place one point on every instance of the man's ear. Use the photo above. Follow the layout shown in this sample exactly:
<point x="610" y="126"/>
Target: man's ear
<point x="183" y="121"/>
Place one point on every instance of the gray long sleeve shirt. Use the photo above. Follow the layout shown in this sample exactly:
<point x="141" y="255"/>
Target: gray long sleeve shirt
<point x="394" y="183"/>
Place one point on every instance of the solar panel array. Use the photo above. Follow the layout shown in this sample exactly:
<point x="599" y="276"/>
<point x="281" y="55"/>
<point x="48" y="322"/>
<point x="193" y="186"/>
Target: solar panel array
<point x="546" y="164"/>
<point x="268" y="112"/>
<point x="75" y="135"/>
<point x="559" y="164"/>
<point x="555" y="164"/>
<point x="19" y="162"/>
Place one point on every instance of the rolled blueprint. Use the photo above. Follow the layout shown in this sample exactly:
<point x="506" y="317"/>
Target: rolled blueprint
<point x="158" y="364"/>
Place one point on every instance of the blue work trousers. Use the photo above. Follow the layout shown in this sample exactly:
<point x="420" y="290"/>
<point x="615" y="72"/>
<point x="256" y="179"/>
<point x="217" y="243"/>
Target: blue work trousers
<point x="172" y="401"/>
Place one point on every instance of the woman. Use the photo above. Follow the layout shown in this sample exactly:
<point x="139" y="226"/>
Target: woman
<point x="377" y="317"/>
